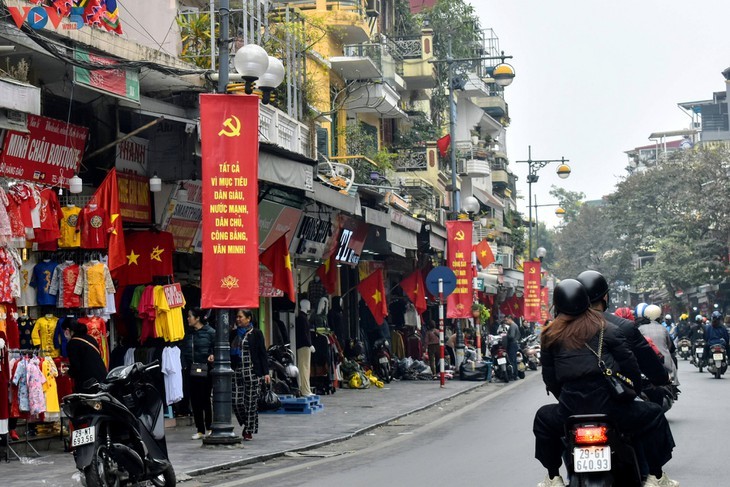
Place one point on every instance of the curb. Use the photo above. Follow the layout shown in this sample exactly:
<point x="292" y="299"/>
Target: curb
<point x="312" y="446"/>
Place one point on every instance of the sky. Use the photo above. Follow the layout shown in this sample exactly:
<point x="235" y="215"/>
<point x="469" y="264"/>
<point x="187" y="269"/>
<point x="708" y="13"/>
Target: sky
<point x="595" y="79"/>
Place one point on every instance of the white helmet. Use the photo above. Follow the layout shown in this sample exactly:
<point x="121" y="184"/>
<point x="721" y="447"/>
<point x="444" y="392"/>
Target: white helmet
<point x="292" y="371"/>
<point x="652" y="312"/>
<point x="667" y="317"/>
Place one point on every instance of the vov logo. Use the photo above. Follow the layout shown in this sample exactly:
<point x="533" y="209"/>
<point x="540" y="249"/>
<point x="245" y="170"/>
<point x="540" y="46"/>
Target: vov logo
<point x="38" y="17"/>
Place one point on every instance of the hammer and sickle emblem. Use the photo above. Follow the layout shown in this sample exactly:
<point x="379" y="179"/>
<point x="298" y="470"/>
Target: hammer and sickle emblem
<point x="459" y="235"/>
<point x="234" y="129"/>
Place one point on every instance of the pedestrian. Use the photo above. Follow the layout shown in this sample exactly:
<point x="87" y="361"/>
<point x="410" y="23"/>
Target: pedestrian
<point x="513" y="338"/>
<point x="304" y="346"/>
<point x="198" y="349"/>
<point x="432" y="346"/>
<point x="86" y="366"/>
<point x="250" y="365"/>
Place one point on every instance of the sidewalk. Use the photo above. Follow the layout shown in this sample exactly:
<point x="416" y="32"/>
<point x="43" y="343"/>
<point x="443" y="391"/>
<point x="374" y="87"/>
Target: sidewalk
<point x="346" y="413"/>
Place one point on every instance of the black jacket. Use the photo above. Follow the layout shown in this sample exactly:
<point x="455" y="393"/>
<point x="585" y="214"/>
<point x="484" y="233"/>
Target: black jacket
<point x="571" y="369"/>
<point x="199" y="341"/>
<point x="649" y="364"/>
<point x="85" y="362"/>
<point x="257" y="349"/>
<point x="301" y="328"/>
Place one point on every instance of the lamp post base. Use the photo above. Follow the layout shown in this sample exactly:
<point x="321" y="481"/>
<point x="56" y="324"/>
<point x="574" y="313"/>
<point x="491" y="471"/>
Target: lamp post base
<point x="222" y="435"/>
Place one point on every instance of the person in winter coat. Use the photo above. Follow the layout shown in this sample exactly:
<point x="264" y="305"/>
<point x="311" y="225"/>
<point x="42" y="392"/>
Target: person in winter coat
<point x="571" y="373"/>
<point x="513" y="339"/>
<point x="86" y="366"/>
<point x="659" y="336"/>
<point x="197" y="348"/>
<point x="716" y="333"/>
<point x="250" y="364"/>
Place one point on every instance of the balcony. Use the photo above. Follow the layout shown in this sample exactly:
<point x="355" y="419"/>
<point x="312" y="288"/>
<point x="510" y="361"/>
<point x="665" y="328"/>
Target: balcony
<point x="415" y="51"/>
<point x="495" y="106"/>
<point x="500" y="179"/>
<point x="472" y="160"/>
<point x="278" y="128"/>
<point x="379" y="98"/>
<point x="369" y="61"/>
<point x="411" y="159"/>
<point x="350" y="20"/>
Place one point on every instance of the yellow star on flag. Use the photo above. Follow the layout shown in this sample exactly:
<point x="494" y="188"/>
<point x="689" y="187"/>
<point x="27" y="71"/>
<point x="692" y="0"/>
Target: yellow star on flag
<point x="483" y="253"/>
<point x="327" y="266"/>
<point x="377" y="297"/>
<point x="132" y="258"/>
<point x="287" y="261"/>
<point x="114" y="218"/>
<point x="156" y="252"/>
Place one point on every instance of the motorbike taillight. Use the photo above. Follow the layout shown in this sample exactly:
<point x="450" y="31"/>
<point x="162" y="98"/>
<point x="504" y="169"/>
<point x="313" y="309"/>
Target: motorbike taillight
<point x="591" y="435"/>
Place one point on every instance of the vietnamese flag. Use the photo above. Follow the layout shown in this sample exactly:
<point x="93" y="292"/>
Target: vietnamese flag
<point x="415" y="290"/>
<point x="277" y="259"/>
<point x="484" y="253"/>
<point x="511" y="307"/>
<point x="372" y="291"/>
<point x="107" y="196"/>
<point x="443" y="144"/>
<point x="327" y="273"/>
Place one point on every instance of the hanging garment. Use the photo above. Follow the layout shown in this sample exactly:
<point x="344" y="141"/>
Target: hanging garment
<point x="69" y="229"/>
<point x="8" y="273"/>
<point x="43" y="331"/>
<point x="93" y="284"/>
<point x="36" y="398"/>
<point x="41" y="281"/>
<point x="48" y="233"/>
<point x="64" y="383"/>
<point x="97" y="330"/>
<point x="168" y="321"/>
<point x="59" y="337"/>
<point x="94" y="225"/>
<point x="11" y="326"/>
<point x="146" y="311"/>
<point x="27" y="292"/>
<point x="172" y="370"/>
<point x="50" y="389"/>
<point x="6" y="231"/>
<point x="4" y="384"/>
<point x="63" y="284"/>
<point x="25" y="330"/>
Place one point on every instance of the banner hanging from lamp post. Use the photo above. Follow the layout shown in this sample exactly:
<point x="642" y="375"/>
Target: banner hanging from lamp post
<point x="532" y="291"/>
<point x="230" y="152"/>
<point x="459" y="260"/>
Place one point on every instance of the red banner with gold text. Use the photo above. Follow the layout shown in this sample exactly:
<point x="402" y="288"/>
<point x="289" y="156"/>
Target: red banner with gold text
<point x="230" y="153"/>
<point x="544" y="304"/>
<point x="532" y="291"/>
<point x="458" y="304"/>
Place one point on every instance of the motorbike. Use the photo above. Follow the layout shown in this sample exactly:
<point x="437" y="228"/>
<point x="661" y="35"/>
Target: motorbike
<point x="521" y="367"/>
<point x="684" y="347"/>
<point x="530" y="347"/>
<point x="284" y="374"/>
<point x="698" y="358"/>
<point x="498" y="351"/>
<point x="382" y="360"/>
<point x="597" y="454"/>
<point x="717" y="360"/>
<point x="119" y="430"/>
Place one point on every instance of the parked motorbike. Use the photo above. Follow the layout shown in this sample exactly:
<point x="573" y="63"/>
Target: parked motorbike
<point x="284" y="374"/>
<point x="119" y="431"/>
<point x="717" y="360"/>
<point x="521" y="367"/>
<point x="530" y="347"/>
<point x="698" y="358"/>
<point x="684" y="348"/>
<point x="382" y="360"/>
<point x="498" y="351"/>
<point x="597" y="454"/>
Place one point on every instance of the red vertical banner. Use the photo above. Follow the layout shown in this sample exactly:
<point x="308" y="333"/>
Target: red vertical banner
<point x="544" y="304"/>
<point x="459" y="233"/>
<point x="532" y="291"/>
<point x="230" y="153"/>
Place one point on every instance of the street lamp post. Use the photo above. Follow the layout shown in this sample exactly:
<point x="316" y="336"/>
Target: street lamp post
<point x="532" y="177"/>
<point x="253" y="64"/>
<point x="559" y="212"/>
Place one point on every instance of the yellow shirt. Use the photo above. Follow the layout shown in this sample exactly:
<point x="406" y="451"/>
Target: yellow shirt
<point x="50" y="372"/>
<point x="69" y="224"/>
<point x="168" y="321"/>
<point x="42" y="335"/>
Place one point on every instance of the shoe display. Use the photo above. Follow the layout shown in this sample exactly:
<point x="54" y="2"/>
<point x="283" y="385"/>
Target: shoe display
<point x="663" y="481"/>
<point x="552" y="482"/>
<point x="198" y="436"/>
<point x="247" y="436"/>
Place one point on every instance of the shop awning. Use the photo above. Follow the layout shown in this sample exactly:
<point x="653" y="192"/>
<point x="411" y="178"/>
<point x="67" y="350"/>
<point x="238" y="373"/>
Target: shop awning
<point x="378" y="218"/>
<point x="436" y="242"/>
<point x="402" y="237"/>
<point x="487" y="199"/>
<point x="279" y="170"/>
<point x="335" y="199"/>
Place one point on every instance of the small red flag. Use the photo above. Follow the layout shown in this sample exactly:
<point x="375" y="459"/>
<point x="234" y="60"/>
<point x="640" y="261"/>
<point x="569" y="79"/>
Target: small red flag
<point x="443" y="144"/>
<point x="277" y="259"/>
<point x="512" y="307"/>
<point x="107" y="196"/>
<point x="413" y="286"/>
<point x="372" y="291"/>
<point x="327" y="273"/>
<point x="484" y="253"/>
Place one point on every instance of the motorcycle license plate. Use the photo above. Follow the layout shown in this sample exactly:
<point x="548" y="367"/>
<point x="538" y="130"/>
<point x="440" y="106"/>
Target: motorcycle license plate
<point x="501" y="361"/>
<point x="685" y="349"/>
<point x="83" y="436"/>
<point x="383" y="360"/>
<point x="716" y="356"/>
<point x="700" y="353"/>
<point x="592" y="459"/>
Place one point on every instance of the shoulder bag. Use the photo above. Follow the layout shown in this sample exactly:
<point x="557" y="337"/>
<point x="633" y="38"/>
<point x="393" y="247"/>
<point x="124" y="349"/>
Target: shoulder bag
<point x="197" y="369"/>
<point x="620" y="386"/>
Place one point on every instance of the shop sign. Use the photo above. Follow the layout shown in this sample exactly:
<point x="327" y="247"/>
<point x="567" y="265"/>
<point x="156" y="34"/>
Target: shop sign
<point x="312" y="237"/>
<point x="459" y="261"/>
<point x="174" y="295"/>
<point x="122" y="83"/>
<point x="21" y="97"/>
<point x="134" y="198"/>
<point x="49" y="153"/>
<point x="132" y="155"/>
<point x="351" y="240"/>
<point x="230" y="149"/>
<point x="266" y="284"/>
<point x="183" y="218"/>
<point x="276" y="220"/>
<point x="532" y="297"/>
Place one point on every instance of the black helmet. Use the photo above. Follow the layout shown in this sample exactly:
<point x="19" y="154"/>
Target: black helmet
<point x="595" y="284"/>
<point x="716" y="316"/>
<point x="570" y="297"/>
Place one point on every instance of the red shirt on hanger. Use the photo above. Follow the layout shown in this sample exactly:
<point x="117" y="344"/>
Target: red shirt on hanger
<point x="94" y="226"/>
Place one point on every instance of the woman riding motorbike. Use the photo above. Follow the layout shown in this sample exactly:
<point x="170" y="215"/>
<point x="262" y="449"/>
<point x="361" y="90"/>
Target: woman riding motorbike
<point x="571" y="373"/>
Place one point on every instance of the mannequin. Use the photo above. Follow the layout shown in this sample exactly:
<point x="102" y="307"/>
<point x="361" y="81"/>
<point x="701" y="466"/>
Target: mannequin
<point x="320" y="319"/>
<point x="304" y="346"/>
<point x="316" y="290"/>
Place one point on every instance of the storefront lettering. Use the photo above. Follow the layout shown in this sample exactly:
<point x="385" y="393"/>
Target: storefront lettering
<point x="315" y="229"/>
<point x="344" y="252"/>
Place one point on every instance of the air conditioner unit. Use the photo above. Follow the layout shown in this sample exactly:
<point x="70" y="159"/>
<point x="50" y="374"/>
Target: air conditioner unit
<point x="373" y="8"/>
<point x="505" y="260"/>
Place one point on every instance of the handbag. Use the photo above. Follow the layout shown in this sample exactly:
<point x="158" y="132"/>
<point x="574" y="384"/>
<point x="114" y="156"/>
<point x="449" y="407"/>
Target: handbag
<point x="268" y="399"/>
<point x="620" y="386"/>
<point x="197" y="369"/>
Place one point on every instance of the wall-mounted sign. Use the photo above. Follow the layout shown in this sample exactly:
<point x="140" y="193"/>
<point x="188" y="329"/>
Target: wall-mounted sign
<point x="134" y="198"/>
<point x="132" y="155"/>
<point x="122" y="83"/>
<point x="350" y="240"/>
